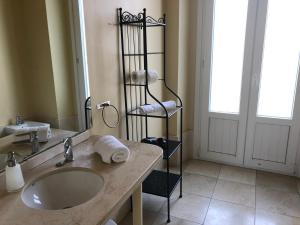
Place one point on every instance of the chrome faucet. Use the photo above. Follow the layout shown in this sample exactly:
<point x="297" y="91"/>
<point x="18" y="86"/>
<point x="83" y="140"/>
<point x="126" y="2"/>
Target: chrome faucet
<point x="34" y="140"/>
<point x="19" y="120"/>
<point x="68" y="152"/>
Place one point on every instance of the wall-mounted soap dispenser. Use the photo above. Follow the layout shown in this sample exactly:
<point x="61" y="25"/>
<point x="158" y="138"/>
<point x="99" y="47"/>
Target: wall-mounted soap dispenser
<point x="13" y="174"/>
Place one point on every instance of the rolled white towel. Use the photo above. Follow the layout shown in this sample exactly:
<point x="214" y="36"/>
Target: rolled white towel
<point x="110" y="222"/>
<point x="155" y="107"/>
<point x="111" y="149"/>
<point x="139" y="76"/>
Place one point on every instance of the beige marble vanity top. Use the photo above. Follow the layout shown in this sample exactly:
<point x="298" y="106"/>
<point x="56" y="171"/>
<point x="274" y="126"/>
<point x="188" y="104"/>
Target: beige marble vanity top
<point x="120" y="180"/>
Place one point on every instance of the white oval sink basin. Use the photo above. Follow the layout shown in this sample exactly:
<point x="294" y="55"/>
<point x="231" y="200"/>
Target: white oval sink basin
<point x="43" y="129"/>
<point x="62" y="189"/>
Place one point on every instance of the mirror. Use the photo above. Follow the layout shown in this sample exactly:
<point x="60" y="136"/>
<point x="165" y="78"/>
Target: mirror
<point x="44" y="85"/>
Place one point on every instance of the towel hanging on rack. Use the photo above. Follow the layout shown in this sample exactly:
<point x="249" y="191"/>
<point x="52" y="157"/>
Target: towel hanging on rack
<point x="155" y="107"/>
<point x="139" y="76"/>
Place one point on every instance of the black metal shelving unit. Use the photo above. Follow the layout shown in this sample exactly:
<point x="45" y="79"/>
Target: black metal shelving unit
<point x="133" y="32"/>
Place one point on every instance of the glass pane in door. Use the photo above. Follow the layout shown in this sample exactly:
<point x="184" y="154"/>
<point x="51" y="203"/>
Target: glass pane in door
<point x="280" y="60"/>
<point x="229" y="30"/>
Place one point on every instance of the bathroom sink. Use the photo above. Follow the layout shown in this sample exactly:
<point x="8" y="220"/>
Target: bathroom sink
<point x="43" y="129"/>
<point x="61" y="189"/>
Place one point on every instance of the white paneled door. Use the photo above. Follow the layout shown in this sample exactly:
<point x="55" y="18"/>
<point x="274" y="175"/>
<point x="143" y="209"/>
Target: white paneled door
<point x="272" y="131"/>
<point x="249" y="83"/>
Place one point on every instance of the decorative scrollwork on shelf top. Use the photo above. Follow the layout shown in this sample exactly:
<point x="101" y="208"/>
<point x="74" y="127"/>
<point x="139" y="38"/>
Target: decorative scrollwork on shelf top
<point x="161" y="20"/>
<point x="128" y="17"/>
<point x="151" y="20"/>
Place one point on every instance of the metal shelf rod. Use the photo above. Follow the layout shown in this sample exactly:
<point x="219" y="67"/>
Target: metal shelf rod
<point x="142" y="54"/>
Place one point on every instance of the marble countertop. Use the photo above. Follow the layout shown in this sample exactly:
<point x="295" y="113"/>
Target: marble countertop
<point x="120" y="180"/>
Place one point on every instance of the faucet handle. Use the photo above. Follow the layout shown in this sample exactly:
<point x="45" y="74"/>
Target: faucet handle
<point x="34" y="136"/>
<point x="67" y="142"/>
<point x="19" y="120"/>
<point x="68" y="152"/>
<point x="68" y="149"/>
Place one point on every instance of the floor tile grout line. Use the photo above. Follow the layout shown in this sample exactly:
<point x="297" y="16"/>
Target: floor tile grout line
<point x="234" y="203"/>
<point x="278" y="214"/>
<point x="273" y="189"/>
<point x="235" y="181"/>
<point x="221" y="200"/>
<point x="275" y="213"/>
<point x="276" y="189"/>
<point x="232" y="182"/>
<point x="210" y="199"/>
<point x="222" y="178"/>
<point x="185" y="220"/>
<point x="218" y="177"/>
<point x="198" y="174"/>
<point x="197" y="194"/>
<point x="278" y="175"/>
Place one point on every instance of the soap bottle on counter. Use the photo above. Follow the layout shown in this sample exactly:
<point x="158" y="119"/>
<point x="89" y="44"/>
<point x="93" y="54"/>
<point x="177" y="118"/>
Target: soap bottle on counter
<point x="13" y="174"/>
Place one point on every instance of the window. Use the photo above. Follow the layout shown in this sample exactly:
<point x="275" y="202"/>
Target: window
<point x="229" y="28"/>
<point x="280" y="59"/>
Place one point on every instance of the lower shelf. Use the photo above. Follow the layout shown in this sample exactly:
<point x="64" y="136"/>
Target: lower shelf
<point x="156" y="183"/>
<point x="173" y="146"/>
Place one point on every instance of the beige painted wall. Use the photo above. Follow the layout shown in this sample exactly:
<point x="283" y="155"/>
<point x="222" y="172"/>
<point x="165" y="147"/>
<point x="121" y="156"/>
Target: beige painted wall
<point x="186" y="60"/>
<point x="172" y="53"/>
<point x="62" y="62"/>
<point x="36" y="62"/>
<point x="103" y="47"/>
<point x="26" y="66"/>
<point x="181" y="45"/>
<point x="11" y="84"/>
<point x="181" y="17"/>
<point x="38" y="73"/>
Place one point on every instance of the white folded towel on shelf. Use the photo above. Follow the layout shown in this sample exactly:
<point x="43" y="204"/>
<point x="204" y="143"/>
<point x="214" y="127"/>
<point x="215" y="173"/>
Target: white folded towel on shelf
<point x="111" y="222"/>
<point x="111" y="149"/>
<point x="155" y="107"/>
<point x="139" y="76"/>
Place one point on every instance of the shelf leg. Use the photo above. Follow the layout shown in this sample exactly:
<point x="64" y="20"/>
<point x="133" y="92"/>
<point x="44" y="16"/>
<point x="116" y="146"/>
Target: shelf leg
<point x="137" y="203"/>
<point x="180" y="194"/>
<point x="181" y="140"/>
<point x="169" y="219"/>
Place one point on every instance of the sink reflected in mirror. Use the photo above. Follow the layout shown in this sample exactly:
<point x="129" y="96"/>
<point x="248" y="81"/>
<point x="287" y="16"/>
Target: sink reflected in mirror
<point x="43" y="129"/>
<point x="62" y="189"/>
<point x="22" y="146"/>
<point x="43" y="88"/>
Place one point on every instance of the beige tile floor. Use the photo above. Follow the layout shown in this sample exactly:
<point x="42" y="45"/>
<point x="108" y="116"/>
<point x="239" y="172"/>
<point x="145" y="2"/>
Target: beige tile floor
<point x="215" y="194"/>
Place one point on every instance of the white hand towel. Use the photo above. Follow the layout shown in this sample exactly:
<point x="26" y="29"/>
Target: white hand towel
<point x="111" y="149"/>
<point x="139" y="76"/>
<point x="155" y="107"/>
